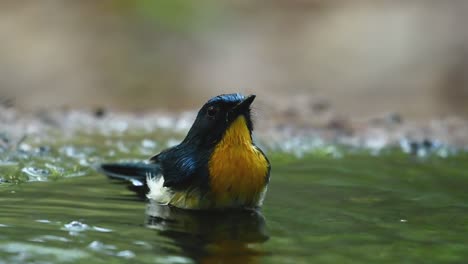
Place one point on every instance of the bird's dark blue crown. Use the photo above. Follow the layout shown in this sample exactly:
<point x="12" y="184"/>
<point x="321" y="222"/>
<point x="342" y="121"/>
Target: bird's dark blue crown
<point x="234" y="98"/>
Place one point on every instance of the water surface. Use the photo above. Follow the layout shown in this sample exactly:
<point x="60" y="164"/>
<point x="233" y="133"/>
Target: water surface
<point x="351" y="208"/>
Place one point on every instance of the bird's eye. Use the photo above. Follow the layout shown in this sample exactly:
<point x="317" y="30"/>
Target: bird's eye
<point x="211" y="111"/>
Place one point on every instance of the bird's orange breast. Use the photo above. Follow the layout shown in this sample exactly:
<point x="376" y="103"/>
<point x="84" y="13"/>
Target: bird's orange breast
<point x="237" y="168"/>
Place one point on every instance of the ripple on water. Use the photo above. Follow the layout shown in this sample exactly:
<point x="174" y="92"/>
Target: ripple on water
<point x="55" y="168"/>
<point x="174" y="260"/>
<point x="47" y="238"/>
<point x="107" y="249"/>
<point x="143" y="244"/>
<point x="102" y="229"/>
<point x="76" y="227"/>
<point x="25" y="253"/>
<point x="147" y="143"/>
<point x="125" y="254"/>
<point x="36" y="174"/>
<point x="43" y="221"/>
<point x="101" y="247"/>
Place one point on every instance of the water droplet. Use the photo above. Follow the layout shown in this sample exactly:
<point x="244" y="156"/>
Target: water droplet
<point x="119" y="126"/>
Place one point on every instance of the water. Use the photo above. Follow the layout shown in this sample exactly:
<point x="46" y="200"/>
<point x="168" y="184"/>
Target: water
<point x="357" y="207"/>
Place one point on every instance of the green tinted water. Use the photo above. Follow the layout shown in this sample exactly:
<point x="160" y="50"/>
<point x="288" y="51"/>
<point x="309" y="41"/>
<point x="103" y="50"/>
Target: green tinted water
<point x="358" y="208"/>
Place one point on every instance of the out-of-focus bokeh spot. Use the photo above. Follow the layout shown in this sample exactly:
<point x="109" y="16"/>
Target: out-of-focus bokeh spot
<point x="360" y="57"/>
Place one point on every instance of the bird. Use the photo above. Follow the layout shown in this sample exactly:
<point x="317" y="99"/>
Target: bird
<point x="216" y="166"/>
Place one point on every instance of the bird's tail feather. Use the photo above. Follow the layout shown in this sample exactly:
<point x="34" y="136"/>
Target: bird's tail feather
<point x="135" y="172"/>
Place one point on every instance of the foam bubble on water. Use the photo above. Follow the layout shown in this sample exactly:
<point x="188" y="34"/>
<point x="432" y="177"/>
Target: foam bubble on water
<point x="26" y="253"/>
<point x="173" y="260"/>
<point x="119" y="125"/>
<point x="36" y="174"/>
<point x="24" y="147"/>
<point x="122" y="147"/>
<point x="7" y="163"/>
<point x="185" y="121"/>
<point x="101" y="247"/>
<point x="76" y="174"/>
<point x="125" y="254"/>
<point x="45" y="238"/>
<point x="55" y="169"/>
<point x="44" y="221"/>
<point x="74" y="152"/>
<point x="376" y="142"/>
<point x="147" y="147"/>
<point x="143" y="244"/>
<point x="164" y="122"/>
<point x="424" y="148"/>
<point x="172" y="142"/>
<point x="147" y="143"/>
<point x="110" y="250"/>
<point x="102" y="229"/>
<point x="405" y="145"/>
<point x="75" y="227"/>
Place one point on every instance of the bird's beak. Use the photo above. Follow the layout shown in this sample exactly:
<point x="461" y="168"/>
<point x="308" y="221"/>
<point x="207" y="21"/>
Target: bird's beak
<point x="243" y="106"/>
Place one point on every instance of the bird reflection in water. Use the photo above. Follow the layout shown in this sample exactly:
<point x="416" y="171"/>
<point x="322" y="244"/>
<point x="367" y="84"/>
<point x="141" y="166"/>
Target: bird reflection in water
<point x="211" y="236"/>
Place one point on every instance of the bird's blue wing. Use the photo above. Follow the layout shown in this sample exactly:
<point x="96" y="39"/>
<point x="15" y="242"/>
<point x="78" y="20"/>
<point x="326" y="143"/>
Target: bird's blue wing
<point x="179" y="166"/>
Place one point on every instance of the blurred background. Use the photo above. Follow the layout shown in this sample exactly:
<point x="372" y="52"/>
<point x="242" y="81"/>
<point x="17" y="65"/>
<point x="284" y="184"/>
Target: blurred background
<point x="361" y="58"/>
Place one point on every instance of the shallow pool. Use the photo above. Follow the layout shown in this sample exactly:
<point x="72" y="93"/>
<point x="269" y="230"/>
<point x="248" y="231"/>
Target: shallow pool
<point x="356" y="207"/>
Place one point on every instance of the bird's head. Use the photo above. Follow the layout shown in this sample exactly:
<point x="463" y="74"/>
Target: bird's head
<point x="226" y="112"/>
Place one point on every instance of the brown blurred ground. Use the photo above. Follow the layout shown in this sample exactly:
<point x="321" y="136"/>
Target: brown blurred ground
<point x="361" y="58"/>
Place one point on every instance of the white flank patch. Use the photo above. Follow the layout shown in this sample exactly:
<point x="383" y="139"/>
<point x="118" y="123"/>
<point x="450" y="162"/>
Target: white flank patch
<point x="262" y="196"/>
<point x="158" y="192"/>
